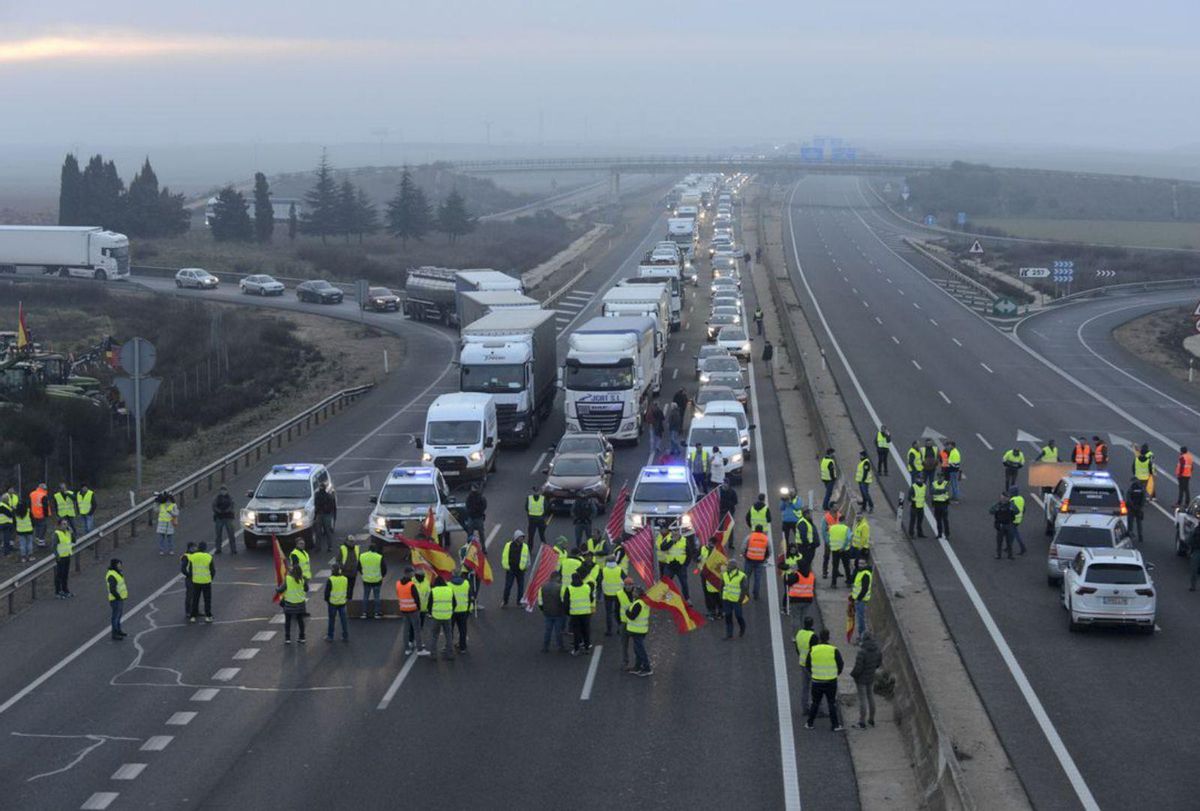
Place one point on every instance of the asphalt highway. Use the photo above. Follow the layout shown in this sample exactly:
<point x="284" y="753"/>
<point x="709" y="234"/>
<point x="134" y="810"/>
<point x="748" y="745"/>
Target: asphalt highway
<point x="227" y="716"/>
<point x="1099" y="719"/>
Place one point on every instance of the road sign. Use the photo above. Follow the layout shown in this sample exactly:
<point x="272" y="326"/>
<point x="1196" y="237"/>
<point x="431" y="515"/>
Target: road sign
<point x="1004" y="306"/>
<point x="930" y="219"/>
<point x="1198" y="326"/>
<point x="1105" y="274"/>
<point x="904" y="195"/>
<point x="1064" y="270"/>
<point x="1034" y="273"/>
<point x="975" y="248"/>
<point x="962" y="219"/>
<point x="887" y="188"/>
<point x="812" y="153"/>
<point x="361" y="287"/>
<point x="125" y="386"/>
<point x="138" y="356"/>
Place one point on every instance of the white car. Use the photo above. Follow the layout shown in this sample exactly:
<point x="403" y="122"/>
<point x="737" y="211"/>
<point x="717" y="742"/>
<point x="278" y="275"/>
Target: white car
<point x="721" y="432"/>
<point x="1109" y="587"/>
<point x="1078" y="531"/>
<point x="261" y="284"/>
<point x="732" y="408"/>
<point x="198" y="278"/>
<point x="1084" y="491"/>
<point x="735" y="340"/>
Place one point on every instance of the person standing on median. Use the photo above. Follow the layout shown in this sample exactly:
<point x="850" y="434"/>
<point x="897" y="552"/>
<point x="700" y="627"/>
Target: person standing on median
<point x="168" y="520"/>
<point x="337" y="594"/>
<point x="64" y="547"/>
<point x="824" y="665"/>
<point x="866" y="663"/>
<point x="860" y="594"/>
<point x="118" y="592"/>
<point x="39" y="508"/>
<point x="8" y="517"/>
<point x="223" y="515"/>
<point x="201" y="571"/>
<point x="85" y="505"/>
<point x="829" y="476"/>
<point x="23" y="521"/>
<point x="883" y="444"/>
<point x="790" y="506"/>
<point x="64" y="505"/>
<point x="864" y="476"/>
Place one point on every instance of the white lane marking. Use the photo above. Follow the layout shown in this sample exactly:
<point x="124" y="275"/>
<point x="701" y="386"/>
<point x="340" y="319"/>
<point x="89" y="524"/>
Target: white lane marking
<point x="75" y="654"/>
<point x="128" y="771"/>
<point x="988" y="368"/>
<point x="878" y="320"/>
<point x="866" y="304"/>
<point x="889" y="279"/>
<point x="986" y="444"/>
<point x="854" y="290"/>
<point x="590" y="679"/>
<point x="157" y="743"/>
<point x="944" y="397"/>
<point x="1025" y="400"/>
<point x="895" y="340"/>
<point x="226" y="674"/>
<point x="901" y="292"/>
<point x="682" y="345"/>
<point x="324" y="573"/>
<point x="263" y="636"/>
<point x="396" y="682"/>
<point x="181" y="719"/>
<point x="537" y="466"/>
<point x="674" y="373"/>
<point x="277" y="619"/>
<point x="957" y="342"/>
<point x="914" y="363"/>
<point x="1082" y="792"/>
<point x="244" y="654"/>
<point x="99" y="801"/>
<point x="492" y="534"/>
<point x="583" y="295"/>
<point x="915" y="304"/>
<point x="204" y="694"/>
<point x="931" y="321"/>
<point x="783" y="696"/>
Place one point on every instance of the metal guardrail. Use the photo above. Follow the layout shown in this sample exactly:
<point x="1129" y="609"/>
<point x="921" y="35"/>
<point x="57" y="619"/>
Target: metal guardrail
<point x="1106" y="289"/>
<point x="214" y="472"/>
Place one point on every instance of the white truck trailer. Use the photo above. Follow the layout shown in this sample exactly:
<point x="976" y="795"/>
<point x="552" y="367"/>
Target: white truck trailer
<point x="83" y="251"/>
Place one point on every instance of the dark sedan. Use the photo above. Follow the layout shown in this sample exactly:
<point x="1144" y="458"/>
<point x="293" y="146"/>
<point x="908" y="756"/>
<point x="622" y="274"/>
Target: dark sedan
<point x="319" y="291"/>
<point x="381" y="300"/>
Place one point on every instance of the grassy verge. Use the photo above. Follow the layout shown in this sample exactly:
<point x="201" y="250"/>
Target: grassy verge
<point x="1157" y="338"/>
<point x="1103" y="232"/>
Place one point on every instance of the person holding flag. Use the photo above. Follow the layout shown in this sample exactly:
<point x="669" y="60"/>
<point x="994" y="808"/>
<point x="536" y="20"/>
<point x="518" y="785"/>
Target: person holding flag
<point x="612" y="581"/>
<point x="515" y="560"/>
<point x="554" y="613"/>
<point x="637" y="626"/>
<point x="462" y="607"/>
<point x="712" y="590"/>
<point x="665" y="595"/>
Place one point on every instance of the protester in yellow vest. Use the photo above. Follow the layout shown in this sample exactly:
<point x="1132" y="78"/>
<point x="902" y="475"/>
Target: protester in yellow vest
<point x="64" y="547"/>
<point x="637" y="626"/>
<point x="337" y="595"/>
<point x="295" y="602"/>
<point x="118" y="592"/>
<point x="201" y="570"/>
<point x="167" y="515"/>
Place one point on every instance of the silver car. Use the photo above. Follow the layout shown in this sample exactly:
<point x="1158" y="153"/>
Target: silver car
<point x="261" y="284"/>
<point x="1075" y="532"/>
<point x="197" y="278"/>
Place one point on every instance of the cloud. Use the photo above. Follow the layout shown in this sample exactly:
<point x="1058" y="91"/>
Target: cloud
<point x="123" y="45"/>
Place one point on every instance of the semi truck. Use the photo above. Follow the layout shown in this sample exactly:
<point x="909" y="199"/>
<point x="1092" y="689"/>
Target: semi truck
<point x="610" y="370"/>
<point x="511" y="354"/>
<point x="429" y="295"/>
<point x="475" y="304"/>
<point x="653" y="300"/>
<point x="479" y="279"/>
<point x="83" y="251"/>
<point x="682" y="231"/>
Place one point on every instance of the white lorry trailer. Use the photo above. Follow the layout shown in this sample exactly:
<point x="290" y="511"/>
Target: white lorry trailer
<point x="511" y="355"/>
<point x="653" y="300"/>
<point x="475" y="304"/>
<point x="610" y="370"/>
<point x="682" y="231"/>
<point x="82" y="251"/>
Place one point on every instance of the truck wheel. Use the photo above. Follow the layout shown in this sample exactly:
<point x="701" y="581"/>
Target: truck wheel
<point x="62" y="272"/>
<point x="101" y="276"/>
<point x="250" y="540"/>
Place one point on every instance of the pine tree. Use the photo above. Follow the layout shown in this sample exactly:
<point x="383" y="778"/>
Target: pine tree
<point x="367" y="220"/>
<point x="409" y="215"/>
<point x="173" y="218"/>
<point x="264" y="210"/>
<point x="231" y="217"/>
<point x="320" y="216"/>
<point x="111" y="200"/>
<point x="347" y="210"/>
<point x="142" y="210"/>
<point x="293" y="222"/>
<point x="70" y="193"/>
<point x="453" y="220"/>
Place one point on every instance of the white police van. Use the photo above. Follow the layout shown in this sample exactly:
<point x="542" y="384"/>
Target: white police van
<point x="404" y="502"/>
<point x="283" y="504"/>
<point x="661" y="496"/>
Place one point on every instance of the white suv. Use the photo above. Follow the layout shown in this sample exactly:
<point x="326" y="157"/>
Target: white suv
<point x="283" y="503"/>
<point x="404" y="501"/>
<point x="1084" y="491"/>
<point x="1109" y="587"/>
<point x="662" y="495"/>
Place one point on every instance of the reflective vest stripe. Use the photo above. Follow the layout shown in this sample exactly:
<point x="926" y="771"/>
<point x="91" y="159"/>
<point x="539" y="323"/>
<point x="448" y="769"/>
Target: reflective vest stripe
<point x="1100" y="455"/>
<point x="611" y="580"/>
<point x="462" y="597"/>
<point x="339" y="586"/>
<point x="758" y="516"/>
<point x="824" y="662"/>
<point x="863" y="474"/>
<point x="24" y="523"/>
<point x="579" y="600"/>
<point x="1083" y="454"/>
<point x="1184" y="468"/>
<point x="37" y="503"/>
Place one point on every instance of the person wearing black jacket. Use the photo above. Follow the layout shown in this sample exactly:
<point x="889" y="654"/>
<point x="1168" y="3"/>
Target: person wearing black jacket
<point x="1135" y="499"/>
<point x="185" y="570"/>
<point x="223" y="515"/>
<point x="1002" y="518"/>
<point x="582" y="513"/>
<point x="729" y="498"/>
<point x="325" y="507"/>
<point x="476" y="507"/>
<point x="824" y="685"/>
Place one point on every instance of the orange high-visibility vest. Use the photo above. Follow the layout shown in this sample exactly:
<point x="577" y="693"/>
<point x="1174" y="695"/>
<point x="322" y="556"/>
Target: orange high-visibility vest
<point x="802" y="589"/>
<point x="1100" y="455"/>
<point x="756" y="546"/>
<point x="1184" y="467"/>
<point x="37" y="502"/>
<point x="406" y="593"/>
<point x="945" y="459"/>
<point x="1083" y="453"/>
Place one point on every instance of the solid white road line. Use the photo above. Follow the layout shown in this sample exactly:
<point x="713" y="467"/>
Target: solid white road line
<point x="399" y="680"/>
<point x="1025" y="400"/>
<point x="986" y="444"/>
<point x="590" y="679"/>
<point x="915" y="304"/>
<point x="878" y="320"/>
<point x="181" y="719"/>
<point x="895" y="340"/>
<point x="944" y="397"/>
<point x="783" y="696"/>
<point x="914" y="363"/>
<point x="956" y="342"/>
<point x="128" y="771"/>
<point x="1082" y="792"/>
<point x="537" y="466"/>
<point x="99" y="801"/>
<point x="931" y="321"/>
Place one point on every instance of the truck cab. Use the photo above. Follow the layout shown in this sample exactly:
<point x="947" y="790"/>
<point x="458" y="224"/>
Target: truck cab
<point x="283" y="504"/>
<point x="404" y="501"/>
<point x="661" y="496"/>
<point x="461" y="436"/>
<point x="610" y="369"/>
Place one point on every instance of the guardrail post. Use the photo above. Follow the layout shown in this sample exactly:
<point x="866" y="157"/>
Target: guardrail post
<point x="195" y="489"/>
<point x="210" y="482"/>
<point x="258" y="452"/>
<point x="235" y="467"/>
<point x="289" y="433"/>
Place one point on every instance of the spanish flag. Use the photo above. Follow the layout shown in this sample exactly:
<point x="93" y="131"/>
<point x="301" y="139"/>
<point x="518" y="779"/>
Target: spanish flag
<point x="430" y="553"/>
<point x="849" y="618"/>
<point x="280" y="566"/>
<point x="665" y="595"/>
<point x="22" y="327"/>
<point x="429" y="526"/>
<point x="719" y="556"/>
<point x="477" y="561"/>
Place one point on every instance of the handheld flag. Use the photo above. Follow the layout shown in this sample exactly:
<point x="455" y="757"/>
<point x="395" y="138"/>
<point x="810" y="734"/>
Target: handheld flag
<point x="429" y="526"/>
<point x="615" y="526"/>
<point x="849" y="618"/>
<point x="711" y="570"/>
<point x="431" y="554"/>
<point x="544" y="565"/>
<point x="476" y="560"/>
<point x="705" y="514"/>
<point x="280" y="564"/>
<point x="639" y="548"/>
<point x="22" y="327"/>
<point x="665" y="595"/>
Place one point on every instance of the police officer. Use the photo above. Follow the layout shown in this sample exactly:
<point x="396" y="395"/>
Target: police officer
<point x="1135" y="500"/>
<point x="1014" y="460"/>
<point x="883" y="444"/>
<point x="535" y="510"/>
<point x="864" y="476"/>
<point x="728" y="497"/>
<point x="223" y="517"/>
<point x="515" y="559"/>
<point x="337" y="594"/>
<point x="829" y="476"/>
<point x="824" y="665"/>
<point x="916" y="508"/>
<point x="325" y="513"/>
<point x="64" y="546"/>
<point x="201" y="570"/>
<point x="941" y="506"/>
<point x="582" y="513"/>
<point x="733" y="594"/>
<point x="118" y="592"/>
<point x="1002" y="518"/>
<point x="637" y="626"/>
<point x="476" y="511"/>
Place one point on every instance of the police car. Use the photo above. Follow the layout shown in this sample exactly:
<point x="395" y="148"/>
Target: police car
<point x="283" y="504"/>
<point x="661" y="496"/>
<point x="404" y="502"/>
<point x="1084" y="491"/>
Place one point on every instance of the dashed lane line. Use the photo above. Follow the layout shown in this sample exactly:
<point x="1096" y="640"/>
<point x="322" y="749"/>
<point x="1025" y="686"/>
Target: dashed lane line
<point x="263" y="636"/>
<point x="987" y="368"/>
<point x="245" y="654"/>
<point x="986" y="444"/>
<point x="128" y="771"/>
<point x="914" y="363"/>
<point x="957" y="342"/>
<point x="157" y="743"/>
<point x="537" y="466"/>
<point x="1025" y="400"/>
<point x="931" y="321"/>
<point x="399" y="680"/>
<point x="944" y="397"/>
<point x="181" y="719"/>
<point x="590" y="679"/>
<point x="99" y="801"/>
<point x="226" y="674"/>
<point x="204" y="694"/>
<point x="895" y="340"/>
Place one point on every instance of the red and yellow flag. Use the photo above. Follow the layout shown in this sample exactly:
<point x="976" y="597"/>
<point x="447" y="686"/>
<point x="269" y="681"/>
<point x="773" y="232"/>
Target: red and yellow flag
<point x="22" y="327"/>
<point x="711" y="570"/>
<point x="429" y="526"/>
<point x="665" y="595"/>
<point x="280" y="564"/>
<point x="430" y="553"/>
<point x="477" y="561"/>
<point x="849" y="618"/>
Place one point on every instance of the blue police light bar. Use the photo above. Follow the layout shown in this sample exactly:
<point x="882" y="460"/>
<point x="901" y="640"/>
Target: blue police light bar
<point x="670" y="472"/>
<point x="423" y="473"/>
<point x="1092" y="474"/>
<point x="291" y="468"/>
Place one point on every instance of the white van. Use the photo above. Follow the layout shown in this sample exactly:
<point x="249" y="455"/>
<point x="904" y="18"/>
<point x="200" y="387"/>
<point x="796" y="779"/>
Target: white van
<point x="710" y="431"/>
<point x="461" y="435"/>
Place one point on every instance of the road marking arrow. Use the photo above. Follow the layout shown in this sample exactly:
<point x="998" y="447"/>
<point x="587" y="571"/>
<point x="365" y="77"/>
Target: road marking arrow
<point x="360" y="485"/>
<point x="1024" y="436"/>
<point x="937" y="437"/>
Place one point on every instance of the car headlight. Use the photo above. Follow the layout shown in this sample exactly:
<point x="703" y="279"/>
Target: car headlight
<point x="737" y="319"/>
<point x="379" y="523"/>
<point x="686" y="521"/>
<point x="736" y="459"/>
<point x="746" y="347"/>
<point x="703" y="377"/>
<point x="697" y="412"/>
<point x="426" y="457"/>
<point x="475" y="456"/>
<point x="249" y="517"/>
<point x="297" y="517"/>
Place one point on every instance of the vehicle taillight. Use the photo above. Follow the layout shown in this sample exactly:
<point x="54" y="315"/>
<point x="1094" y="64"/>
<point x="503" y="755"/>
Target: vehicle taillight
<point x="1145" y="592"/>
<point x="1124" y="509"/>
<point x="1085" y="590"/>
<point x="1053" y="550"/>
<point x="1065" y="506"/>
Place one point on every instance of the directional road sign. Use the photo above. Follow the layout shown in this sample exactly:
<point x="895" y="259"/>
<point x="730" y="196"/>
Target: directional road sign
<point x="930" y="219"/>
<point x="1034" y="273"/>
<point x="962" y="218"/>
<point x="904" y="195"/>
<point x="887" y="188"/>
<point x="976" y="248"/>
<point x="1105" y="274"/>
<point x="1004" y="306"/>
<point x="125" y="385"/>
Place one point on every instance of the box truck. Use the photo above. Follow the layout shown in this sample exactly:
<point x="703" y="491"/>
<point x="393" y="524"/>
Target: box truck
<point x="475" y="304"/>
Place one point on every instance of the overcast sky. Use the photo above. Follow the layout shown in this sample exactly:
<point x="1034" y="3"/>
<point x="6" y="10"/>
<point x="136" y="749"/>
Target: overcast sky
<point x="1098" y="74"/>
